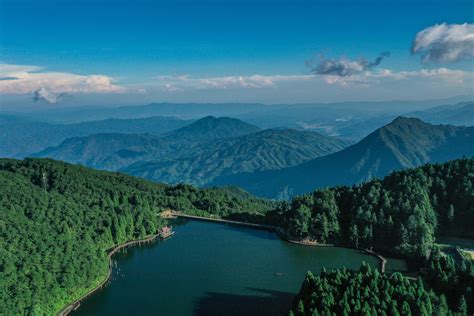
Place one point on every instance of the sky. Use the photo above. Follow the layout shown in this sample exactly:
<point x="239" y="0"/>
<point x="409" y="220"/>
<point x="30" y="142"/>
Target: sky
<point x="106" y="52"/>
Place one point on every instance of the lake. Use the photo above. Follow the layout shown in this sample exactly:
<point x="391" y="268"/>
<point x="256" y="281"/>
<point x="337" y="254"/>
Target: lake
<point x="215" y="269"/>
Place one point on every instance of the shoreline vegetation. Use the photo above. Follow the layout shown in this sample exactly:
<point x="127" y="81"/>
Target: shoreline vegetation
<point x="58" y="220"/>
<point x="172" y="215"/>
<point x="77" y="303"/>
<point x="88" y="212"/>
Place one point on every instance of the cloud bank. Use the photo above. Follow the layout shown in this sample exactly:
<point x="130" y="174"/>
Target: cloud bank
<point x="445" y="43"/>
<point x="371" y="78"/>
<point x="344" y="67"/>
<point x="186" y="82"/>
<point x="50" y="86"/>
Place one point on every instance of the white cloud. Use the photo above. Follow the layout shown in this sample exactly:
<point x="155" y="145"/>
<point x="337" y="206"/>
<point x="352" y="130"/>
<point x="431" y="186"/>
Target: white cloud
<point x="183" y="82"/>
<point x="441" y="75"/>
<point x="445" y="43"/>
<point x="26" y="79"/>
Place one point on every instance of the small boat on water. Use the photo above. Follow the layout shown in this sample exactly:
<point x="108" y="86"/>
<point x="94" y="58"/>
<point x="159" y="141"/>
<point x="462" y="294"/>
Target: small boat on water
<point x="165" y="232"/>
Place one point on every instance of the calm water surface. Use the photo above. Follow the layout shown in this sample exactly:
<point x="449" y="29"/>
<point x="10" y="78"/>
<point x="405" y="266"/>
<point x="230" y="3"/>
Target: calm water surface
<point x="215" y="269"/>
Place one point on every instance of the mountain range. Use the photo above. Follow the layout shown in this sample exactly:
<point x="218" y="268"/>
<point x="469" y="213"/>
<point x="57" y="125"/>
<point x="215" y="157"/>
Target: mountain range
<point x="264" y="150"/>
<point x="404" y="143"/>
<point x="21" y="137"/>
<point x="197" y="153"/>
<point x="23" y="134"/>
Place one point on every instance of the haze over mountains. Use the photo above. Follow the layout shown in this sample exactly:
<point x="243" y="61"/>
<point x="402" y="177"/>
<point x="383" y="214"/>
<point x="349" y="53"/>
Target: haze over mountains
<point x="20" y="137"/>
<point x="27" y="133"/>
<point x="404" y="143"/>
<point x="296" y="157"/>
<point x="197" y="153"/>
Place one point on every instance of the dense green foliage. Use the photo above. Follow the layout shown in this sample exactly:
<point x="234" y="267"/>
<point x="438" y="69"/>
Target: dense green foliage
<point x="453" y="278"/>
<point x="21" y="137"/>
<point x="264" y="150"/>
<point x="401" y="214"/>
<point x="404" y="143"/>
<point x="369" y="292"/>
<point x="197" y="153"/>
<point x="57" y="221"/>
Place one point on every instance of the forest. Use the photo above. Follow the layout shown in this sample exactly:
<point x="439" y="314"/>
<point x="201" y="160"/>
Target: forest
<point x="57" y="221"/>
<point x="402" y="214"/>
<point x="369" y="292"/>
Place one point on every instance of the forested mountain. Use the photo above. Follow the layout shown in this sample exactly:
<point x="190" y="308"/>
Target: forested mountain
<point x="20" y="137"/>
<point x="404" y="143"/>
<point x="264" y="150"/>
<point x="109" y="151"/>
<point x="401" y="214"/>
<point x="197" y="153"/>
<point x="24" y="135"/>
<point x="211" y="128"/>
<point x="113" y="151"/>
<point x="57" y="221"/>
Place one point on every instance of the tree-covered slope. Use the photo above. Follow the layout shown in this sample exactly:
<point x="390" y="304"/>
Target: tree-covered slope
<point x="402" y="214"/>
<point x="211" y="128"/>
<point x="369" y="292"/>
<point x="404" y="143"/>
<point x="198" y="153"/>
<point x="21" y="137"/>
<point x="57" y="221"/>
<point x="112" y="151"/>
<point x="109" y="151"/>
<point x="264" y="150"/>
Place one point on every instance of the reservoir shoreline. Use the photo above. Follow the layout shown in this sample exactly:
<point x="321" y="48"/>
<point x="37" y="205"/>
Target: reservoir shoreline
<point x="75" y="304"/>
<point x="113" y="250"/>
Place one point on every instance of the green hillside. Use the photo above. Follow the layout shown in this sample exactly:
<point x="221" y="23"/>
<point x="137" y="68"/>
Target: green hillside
<point x="197" y="153"/>
<point x="401" y="214"/>
<point x="57" y="221"/>
<point x="404" y="143"/>
<point x="264" y="150"/>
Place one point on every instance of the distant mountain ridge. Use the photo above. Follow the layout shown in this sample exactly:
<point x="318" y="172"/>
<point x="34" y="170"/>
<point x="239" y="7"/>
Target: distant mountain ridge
<point x="404" y="143"/>
<point x="197" y="153"/>
<point x="461" y="114"/>
<point x="21" y="137"/>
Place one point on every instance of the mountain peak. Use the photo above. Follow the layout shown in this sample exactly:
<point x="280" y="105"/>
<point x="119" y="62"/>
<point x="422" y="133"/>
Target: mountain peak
<point x="210" y="127"/>
<point x="403" y="120"/>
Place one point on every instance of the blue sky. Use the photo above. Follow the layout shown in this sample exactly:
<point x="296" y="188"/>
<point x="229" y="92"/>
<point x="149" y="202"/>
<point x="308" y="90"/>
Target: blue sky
<point x="212" y="51"/>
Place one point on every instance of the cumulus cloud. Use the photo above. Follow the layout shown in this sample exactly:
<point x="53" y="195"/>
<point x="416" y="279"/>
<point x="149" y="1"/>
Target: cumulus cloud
<point x="445" y="43"/>
<point x="344" y="67"/>
<point x="183" y="82"/>
<point x="48" y="96"/>
<point x="50" y="86"/>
